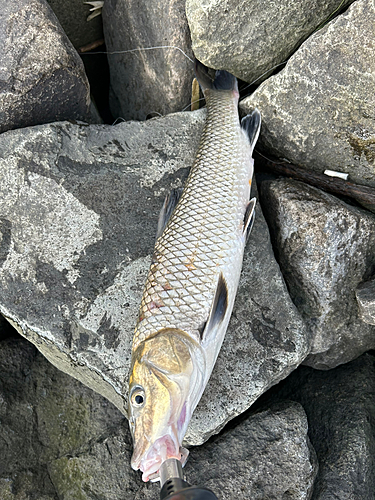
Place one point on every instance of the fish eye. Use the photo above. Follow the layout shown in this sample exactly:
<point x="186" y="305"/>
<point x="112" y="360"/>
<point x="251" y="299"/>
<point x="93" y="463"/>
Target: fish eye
<point x="138" y="397"/>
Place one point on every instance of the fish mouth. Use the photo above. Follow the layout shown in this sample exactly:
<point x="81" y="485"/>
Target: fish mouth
<point x="162" y="449"/>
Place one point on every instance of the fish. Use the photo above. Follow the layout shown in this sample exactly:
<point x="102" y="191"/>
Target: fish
<point x="193" y="279"/>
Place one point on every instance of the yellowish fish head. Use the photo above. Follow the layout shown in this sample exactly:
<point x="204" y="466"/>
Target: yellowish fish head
<point x="162" y="385"/>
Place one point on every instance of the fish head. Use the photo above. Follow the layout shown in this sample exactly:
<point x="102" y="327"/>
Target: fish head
<point x="161" y="383"/>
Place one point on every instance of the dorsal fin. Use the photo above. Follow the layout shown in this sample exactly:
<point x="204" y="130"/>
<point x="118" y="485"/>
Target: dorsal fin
<point x="248" y="220"/>
<point x="218" y="309"/>
<point x="166" y="211"/>
<point x="251" y="125"/>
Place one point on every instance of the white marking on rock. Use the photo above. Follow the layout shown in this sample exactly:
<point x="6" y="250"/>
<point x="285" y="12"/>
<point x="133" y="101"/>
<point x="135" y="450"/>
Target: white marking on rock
<point x="119" y="305"/>
<point x="333" y="173"/>
<point x="48" y="225"/>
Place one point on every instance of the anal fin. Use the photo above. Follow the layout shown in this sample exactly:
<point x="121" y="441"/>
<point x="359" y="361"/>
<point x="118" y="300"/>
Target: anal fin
<point x="166" y="211"/>
<point x="218" y="309"/>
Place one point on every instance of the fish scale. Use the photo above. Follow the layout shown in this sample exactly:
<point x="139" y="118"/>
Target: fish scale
<point x="204" y="235"/>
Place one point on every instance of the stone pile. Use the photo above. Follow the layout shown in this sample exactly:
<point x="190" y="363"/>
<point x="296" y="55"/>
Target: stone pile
<point x="78" y="213"/>
<point x="42" y="78"/>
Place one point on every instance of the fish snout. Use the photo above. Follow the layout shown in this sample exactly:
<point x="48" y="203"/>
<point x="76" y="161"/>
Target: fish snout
<point x="149" y="460"/>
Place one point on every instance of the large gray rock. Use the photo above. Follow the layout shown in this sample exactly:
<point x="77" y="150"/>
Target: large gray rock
<point x="152" y="81"/>
<point x="340" y="406"/>
<point x="365" y="295"/>
<point x="78" y="209"/>
<point x="72" y="16"/>
<point x="319" y="112"/>
<point x="62" y="441"/>
<point x="325" y="249"/>
<point x="42" y="78"/>
<point x="268" y="456"/>
<point x="46" y="417"/>
<point x="250" y="38"/>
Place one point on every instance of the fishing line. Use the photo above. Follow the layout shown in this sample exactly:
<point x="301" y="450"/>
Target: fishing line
<point x="261" y="76"/>
<point x="139" y="49"/>
<point x="193" y="102"/>
<point x="284" y="162"/>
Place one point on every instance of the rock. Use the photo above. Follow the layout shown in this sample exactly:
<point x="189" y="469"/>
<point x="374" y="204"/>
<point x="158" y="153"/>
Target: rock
<point x="148" y="82"/>
<point x="319" y="112"/>
<point x="266" y="340"/>
<point x="341" y="413"/>
<point x="365" y="295"/>
<point x="325" y="249"/>
<point x="62" y="441"/>
<point x="72" y="16"/>
<point x="46" y="417"/>
<point x="79" y="242"/>
<point x="42" y="78"/>
<point x="79" y="206"/>
<point x="234" y="466"/>
<point x="266" y="456"/>
<point x="249" y="38"/>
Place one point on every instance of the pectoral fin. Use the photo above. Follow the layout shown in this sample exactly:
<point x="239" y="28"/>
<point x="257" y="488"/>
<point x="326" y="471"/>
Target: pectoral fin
<point x="166" y="211"/>
<point x="218" y="309"/>
<point x="249" y="218"/>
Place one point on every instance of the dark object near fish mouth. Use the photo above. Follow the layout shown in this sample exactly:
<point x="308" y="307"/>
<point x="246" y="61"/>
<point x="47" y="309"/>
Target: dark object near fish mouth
<point x="174" y="487"/>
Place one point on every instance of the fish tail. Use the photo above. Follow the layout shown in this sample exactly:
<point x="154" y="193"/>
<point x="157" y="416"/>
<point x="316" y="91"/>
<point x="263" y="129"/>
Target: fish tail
<point x="223" y="80"/>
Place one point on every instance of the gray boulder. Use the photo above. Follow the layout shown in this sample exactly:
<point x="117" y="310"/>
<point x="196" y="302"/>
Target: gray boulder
<point x="250" y="38"/>
<point x="268" y="455"/>
<point x="42" y="78"/>
<point x="78" y="208"/>
<point x="46" y="417"/>
<point x="319" y="111"/>
<point x="365" y="295"/>
<point x="62" y="441"/>
<point x="325" y="249"/>
<point x="72" y="16"/>
<point x="153" y="81"/>
<point x="340" y="406"/>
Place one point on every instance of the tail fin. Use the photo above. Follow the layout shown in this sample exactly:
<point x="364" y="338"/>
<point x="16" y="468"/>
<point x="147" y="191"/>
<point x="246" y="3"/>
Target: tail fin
<point x="251" y="126"/>
<point x="222" y="81"/>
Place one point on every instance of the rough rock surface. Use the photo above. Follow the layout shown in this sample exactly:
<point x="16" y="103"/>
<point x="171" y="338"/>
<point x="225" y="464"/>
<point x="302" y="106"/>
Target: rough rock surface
<point x="325" y="249"/>
<point x="72" y="16"/>
<point x="250" y="38"/>
<point x="78" y="210"/>
<point x="48" y="421"/>
<point x="340" y="407"/>
<point x="319" y="112"/>
<point x="268" y="456"/>
<point x="42" y="78"/>
<point x="147" y="82"/>
<point x="62" y="441"/>
<point x="365" y="295"/>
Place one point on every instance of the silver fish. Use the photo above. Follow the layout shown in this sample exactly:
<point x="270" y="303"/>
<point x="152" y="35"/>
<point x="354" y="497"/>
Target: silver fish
<point x="192" y="282"/>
